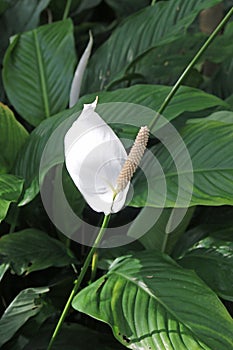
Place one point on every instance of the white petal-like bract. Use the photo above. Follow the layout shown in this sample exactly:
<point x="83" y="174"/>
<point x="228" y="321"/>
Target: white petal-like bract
<point x="94" y="157"/>
<point x="78" y="75"/>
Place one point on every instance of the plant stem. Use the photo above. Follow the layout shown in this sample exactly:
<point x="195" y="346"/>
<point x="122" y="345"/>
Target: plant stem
<point x="67" y="9"/>
<point x="189" y="67"/>
<point x="153" y="2"/>
<point x="94" y="263"/>
<point x="78" y="281"/>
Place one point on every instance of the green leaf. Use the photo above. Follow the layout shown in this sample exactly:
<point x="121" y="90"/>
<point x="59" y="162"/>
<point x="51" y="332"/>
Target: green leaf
<point x="32" y="250"/>
<point x="164" y="64"/>
<point x="150" y="302"/>
<point x="46" y="54"/>
<point x="151" y="96"/>
<point x="220" y="116"/>
<point x="210" y="145"/>
<point x="3" y="270"/>
<point x="221" y="49"/>
<point x="13" y="136"/>
<point x="27" y="304"/>
<point x="159" y="24"/>
<point x="74" y="336"/>
<point x="10" y="189"/>
<point x="28" y="16"/>
<point x="216" y="222"/>
<point x="124" y="8"/>
<point x="212" y="259"/>
<point x="163" y="221"/>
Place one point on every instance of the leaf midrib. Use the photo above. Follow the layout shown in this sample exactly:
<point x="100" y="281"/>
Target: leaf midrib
<point x="42" y="75"/>
<point x="147" y="291"/>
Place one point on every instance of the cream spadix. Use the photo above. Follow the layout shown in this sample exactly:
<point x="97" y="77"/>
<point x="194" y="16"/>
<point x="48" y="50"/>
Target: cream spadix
<point x="97" y="160"/>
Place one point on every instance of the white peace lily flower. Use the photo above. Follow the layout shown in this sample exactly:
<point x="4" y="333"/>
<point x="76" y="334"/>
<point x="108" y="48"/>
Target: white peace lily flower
<point x="94" y="157"/>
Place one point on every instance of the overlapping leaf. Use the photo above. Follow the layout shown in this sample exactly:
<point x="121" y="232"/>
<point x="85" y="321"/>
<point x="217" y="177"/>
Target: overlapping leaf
<point x="13" y="136"/>
<point x="209" y="144"/>
<point x="148" y="28"/>
<point x="38" y="69"/>
<point x="146" y="300"/>
<point x="27" y="304"/>
<point x="212" y="259"/>
<point x="32" y="250"/>
<point x="10" y="189"/>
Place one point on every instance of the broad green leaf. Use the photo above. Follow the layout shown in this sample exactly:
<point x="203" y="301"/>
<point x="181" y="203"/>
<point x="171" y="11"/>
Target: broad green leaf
<point x="220" y="116"/>
<point x="32" y="250"/>
<point x="164" y="64"/>
<point x="216" y="222"/>
<point x="164" y="224"/>
<point x="212" y="259"/>
<point x="28" y="303"/>
<point x="151" y="96"/>
<point x="46" y="54"/>
<point x="32" y="327"/>
<point x="151" y="302"/>
<point x="10" y="189"/>
<point x="74" y="336"/>
<point x="13" y="136"/>
<point x="210" y="146"/>
<point x="28" y="16"/>
<point x="26" y="12"/>
<point x="159" y="24"/>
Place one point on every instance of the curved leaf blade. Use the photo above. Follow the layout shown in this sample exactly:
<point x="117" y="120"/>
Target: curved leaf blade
<point x="210" y="145"/>
<point x="148" y="28"/>
<point x="10" y="189"/>
<point x="13" y="136"/>
<point x="27" y="304"/>
<point x="46" y="54"/>
<point x="32" y="250"/>
<point x="212" y="259"/>
<point x="150" y="302"/>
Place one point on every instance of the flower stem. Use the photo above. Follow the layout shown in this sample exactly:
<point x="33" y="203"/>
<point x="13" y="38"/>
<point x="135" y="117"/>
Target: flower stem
<point x="94" y="264"/>
<point x="67" y="9"/>
<point x="189" y="67"/>
<point x="78" y="281"/>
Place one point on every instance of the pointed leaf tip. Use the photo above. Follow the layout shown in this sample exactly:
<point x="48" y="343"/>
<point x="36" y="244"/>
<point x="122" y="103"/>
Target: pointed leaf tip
<point x="91" y="105"/>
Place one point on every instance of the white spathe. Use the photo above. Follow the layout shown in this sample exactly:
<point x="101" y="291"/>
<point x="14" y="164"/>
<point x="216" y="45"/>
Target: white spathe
<point x="94" y="156"/>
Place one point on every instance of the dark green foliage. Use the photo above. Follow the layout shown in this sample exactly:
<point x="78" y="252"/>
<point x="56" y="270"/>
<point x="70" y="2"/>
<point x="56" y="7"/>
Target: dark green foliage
<point x="171" y="288"/>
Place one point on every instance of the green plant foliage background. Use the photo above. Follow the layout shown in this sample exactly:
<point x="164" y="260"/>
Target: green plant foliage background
<point x="171" y="289"/>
